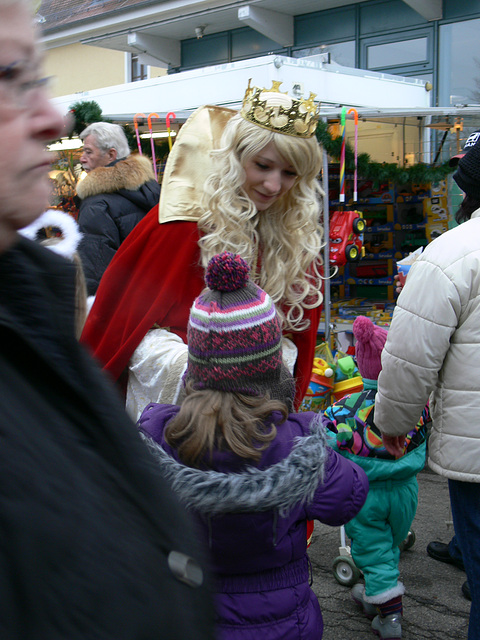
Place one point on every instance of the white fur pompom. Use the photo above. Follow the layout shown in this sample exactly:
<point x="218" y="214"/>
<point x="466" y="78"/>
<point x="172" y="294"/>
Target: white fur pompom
<point x="71" y="236"/>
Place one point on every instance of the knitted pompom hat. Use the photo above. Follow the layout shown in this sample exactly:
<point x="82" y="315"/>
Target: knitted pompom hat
<point x="370" y="340"/>
<point x="467" y="175"/>
<point x="234" y="335"/>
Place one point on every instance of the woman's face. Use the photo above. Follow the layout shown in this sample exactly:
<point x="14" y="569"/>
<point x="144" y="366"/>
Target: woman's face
<point x="268" y="177"/>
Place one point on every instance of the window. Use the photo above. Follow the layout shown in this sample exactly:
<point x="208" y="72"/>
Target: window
<point x="406" y="53"/>
<point x="138" y="71"/>
<point x="459" y="50"/>
<point x="209" y="50"/>
<point x="341" y="52"/>
<point x="247" y="43"/>
<point x="398" y="53"/>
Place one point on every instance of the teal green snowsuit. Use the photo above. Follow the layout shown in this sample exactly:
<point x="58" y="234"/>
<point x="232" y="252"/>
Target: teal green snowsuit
<point x="387" y="515"/>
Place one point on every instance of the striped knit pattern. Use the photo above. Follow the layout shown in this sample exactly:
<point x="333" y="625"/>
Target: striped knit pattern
<point x="234" y="338"/>
<point x="392" y="606"/>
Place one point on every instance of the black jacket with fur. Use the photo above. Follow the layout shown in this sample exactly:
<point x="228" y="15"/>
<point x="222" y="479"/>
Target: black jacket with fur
<point x="86" y="522"/>
<point x="113" y="200"/>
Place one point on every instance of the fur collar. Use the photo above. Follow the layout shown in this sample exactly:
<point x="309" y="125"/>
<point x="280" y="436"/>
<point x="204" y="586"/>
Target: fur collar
<point x="130" y="174"/>
<point x="283" y="486"/>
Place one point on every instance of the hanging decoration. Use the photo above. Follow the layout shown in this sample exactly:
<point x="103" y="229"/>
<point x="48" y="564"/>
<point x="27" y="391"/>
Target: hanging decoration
<point x="355" y="154"/>
<point x="137" y="134"/>
<point x="170" y="115"/>
<point x="154" y="114"/>
<point x="379" y="172"/>
<point x="342" y="155"/>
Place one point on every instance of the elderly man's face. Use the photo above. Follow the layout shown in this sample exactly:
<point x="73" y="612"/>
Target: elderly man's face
<point x="27" y="122"/>
<point x="93" y="157"/>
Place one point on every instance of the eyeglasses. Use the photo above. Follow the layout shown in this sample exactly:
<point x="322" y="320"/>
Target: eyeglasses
<point x="19" y="83"/>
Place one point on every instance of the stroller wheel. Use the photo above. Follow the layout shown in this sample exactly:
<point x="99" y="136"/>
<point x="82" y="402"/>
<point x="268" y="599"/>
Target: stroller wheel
<point x="408" y="542"/>
<point x="345" y="571"/>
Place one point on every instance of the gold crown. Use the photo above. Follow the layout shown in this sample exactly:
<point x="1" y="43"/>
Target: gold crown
<point x="277" y="111"/>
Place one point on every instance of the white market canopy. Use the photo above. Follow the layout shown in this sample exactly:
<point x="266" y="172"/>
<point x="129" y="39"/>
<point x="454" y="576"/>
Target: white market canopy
<point x="225" y="85"/>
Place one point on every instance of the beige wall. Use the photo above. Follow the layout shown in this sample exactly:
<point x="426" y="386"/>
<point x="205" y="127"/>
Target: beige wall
<point x="79" y="67"/>
<point x="156" y="72"/>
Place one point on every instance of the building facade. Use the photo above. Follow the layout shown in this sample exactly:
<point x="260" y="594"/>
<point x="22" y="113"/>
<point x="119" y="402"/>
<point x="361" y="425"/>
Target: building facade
<point x="93" y="44"/>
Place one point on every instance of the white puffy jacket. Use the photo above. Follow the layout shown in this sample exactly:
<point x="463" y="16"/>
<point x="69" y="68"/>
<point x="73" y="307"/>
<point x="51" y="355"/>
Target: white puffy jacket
<point x="433" y="346"/>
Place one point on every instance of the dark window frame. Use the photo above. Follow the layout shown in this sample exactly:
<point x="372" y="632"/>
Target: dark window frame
<point x="421" y="66"/>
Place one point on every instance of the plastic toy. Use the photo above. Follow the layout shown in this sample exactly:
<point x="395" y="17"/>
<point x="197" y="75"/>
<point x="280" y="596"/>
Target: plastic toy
<point x="345" y="387"/>
<point x="347" y="227"/>
<point x="367" y="189"/>
<point x="347" y="378"/>
<point x="321" y="384"/>
<point x="346" y="368"/>
<point x="376" y="245"/>
<point x="346" y="237"/>
<point x="322" y="368"/>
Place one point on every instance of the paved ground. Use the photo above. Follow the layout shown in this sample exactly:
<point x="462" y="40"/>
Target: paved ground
<point x="434" y="607"/>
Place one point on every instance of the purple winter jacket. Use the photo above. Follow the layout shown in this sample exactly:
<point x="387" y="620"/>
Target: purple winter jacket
<point x="254" y="521"/>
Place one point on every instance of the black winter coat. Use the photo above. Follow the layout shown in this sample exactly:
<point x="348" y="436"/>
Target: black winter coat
<point x="113" y="200"/>
<point x="86" y="521"/>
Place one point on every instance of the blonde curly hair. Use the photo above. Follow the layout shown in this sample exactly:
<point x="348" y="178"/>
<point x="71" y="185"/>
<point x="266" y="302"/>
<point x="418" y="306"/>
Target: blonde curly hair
<point x="287" y="237"/>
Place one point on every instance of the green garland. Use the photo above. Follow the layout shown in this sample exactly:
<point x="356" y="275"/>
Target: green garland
<point x="84" y="113"/>
<point x="380" y="172"/>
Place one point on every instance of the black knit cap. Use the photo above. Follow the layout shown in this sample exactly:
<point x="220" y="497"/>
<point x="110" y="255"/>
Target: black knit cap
<point x="469" y="143"/>
<point x="467" y="175"/>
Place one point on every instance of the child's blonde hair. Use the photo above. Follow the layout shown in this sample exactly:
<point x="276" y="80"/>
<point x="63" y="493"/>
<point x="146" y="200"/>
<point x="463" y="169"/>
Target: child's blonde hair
<point x="211" y="420"/>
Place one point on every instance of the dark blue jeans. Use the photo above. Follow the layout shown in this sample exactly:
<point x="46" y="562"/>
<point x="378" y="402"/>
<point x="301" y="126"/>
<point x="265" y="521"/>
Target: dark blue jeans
<point x="465" y="502"/>
<point x="454" y="549"/>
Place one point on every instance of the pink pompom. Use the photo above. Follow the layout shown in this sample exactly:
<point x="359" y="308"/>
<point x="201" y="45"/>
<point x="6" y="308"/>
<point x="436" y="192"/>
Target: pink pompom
<point x="363" y="329"/>
<point x="227" y="272"/>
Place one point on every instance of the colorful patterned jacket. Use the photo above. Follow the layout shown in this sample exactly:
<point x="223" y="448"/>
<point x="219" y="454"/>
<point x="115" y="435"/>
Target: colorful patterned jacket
<point x="353" y="433"/>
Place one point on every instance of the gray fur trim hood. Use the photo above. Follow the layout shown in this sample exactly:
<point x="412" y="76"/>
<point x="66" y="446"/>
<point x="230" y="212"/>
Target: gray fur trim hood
<point x="287" y="484"/>
<point x="130" y="173"/>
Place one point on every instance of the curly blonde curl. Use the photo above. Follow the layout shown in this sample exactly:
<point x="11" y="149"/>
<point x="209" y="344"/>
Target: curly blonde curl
<point x="287" y="236"/>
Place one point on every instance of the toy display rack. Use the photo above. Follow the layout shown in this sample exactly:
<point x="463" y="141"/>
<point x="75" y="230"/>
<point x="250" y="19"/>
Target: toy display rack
<point x="399" y="219"/>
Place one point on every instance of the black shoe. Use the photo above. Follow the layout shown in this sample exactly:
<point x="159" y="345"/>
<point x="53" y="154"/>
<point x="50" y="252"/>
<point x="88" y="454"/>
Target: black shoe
<point x="439" y="551"/>
<point x="466" y="590"/>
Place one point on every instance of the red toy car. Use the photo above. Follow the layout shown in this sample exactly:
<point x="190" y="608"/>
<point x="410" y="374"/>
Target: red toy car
<point x="346" y="237"/>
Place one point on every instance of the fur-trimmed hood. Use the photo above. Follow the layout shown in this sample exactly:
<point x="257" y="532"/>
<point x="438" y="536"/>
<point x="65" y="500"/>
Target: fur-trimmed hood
<point x="129" y="174"/>
<point x="290" y="483"/>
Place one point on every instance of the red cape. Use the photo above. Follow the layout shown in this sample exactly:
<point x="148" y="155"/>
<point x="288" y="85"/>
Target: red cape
<point x="153" y="279"/>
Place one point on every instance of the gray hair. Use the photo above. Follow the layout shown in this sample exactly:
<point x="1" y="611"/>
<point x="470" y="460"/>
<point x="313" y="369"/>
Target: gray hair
<point x="108" y="136"/>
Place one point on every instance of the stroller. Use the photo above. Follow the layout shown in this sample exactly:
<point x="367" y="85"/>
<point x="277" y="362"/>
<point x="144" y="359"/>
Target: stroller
<point x="344" y="568"/>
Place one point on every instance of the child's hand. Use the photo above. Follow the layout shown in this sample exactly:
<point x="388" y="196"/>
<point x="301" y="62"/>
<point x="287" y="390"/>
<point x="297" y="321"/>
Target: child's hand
<point x="395" y="445"/>
<point x="399" y="281"/>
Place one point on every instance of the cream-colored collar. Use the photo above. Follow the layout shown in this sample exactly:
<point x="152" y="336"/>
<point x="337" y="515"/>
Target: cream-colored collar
<point x="189" y="164"/>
